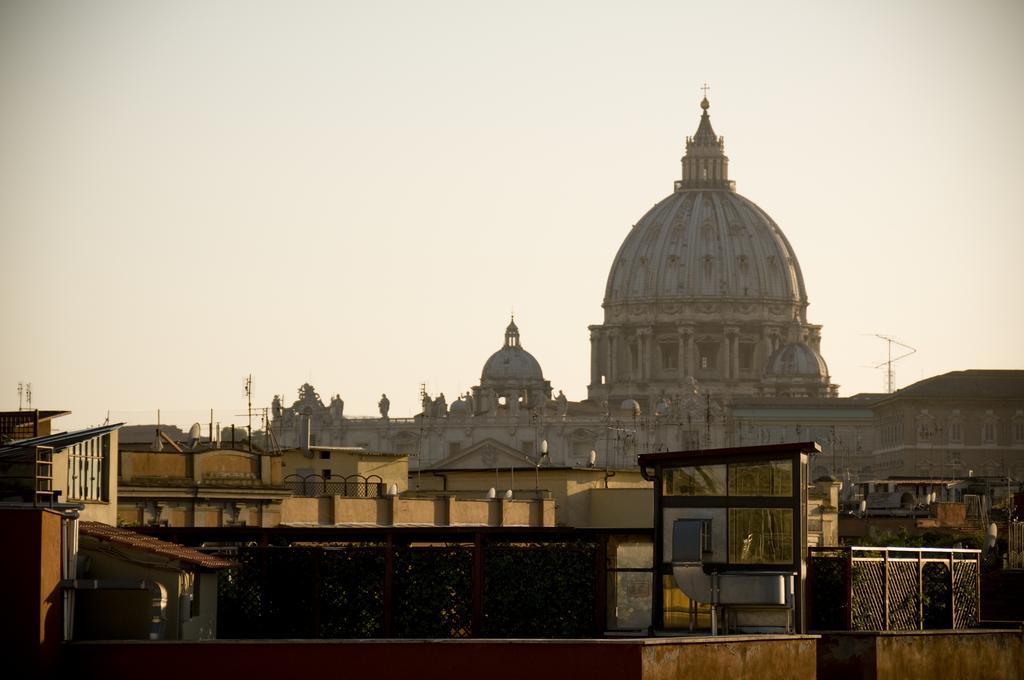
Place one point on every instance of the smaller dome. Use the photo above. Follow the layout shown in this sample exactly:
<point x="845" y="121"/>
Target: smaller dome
<point x="796" y="359"/>
<point x="512" y="364"/>
<point x="458" y="406"/>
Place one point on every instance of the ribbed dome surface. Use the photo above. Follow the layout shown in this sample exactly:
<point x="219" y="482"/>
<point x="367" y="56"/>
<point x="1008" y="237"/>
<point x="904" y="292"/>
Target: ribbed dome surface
<point x="698" y="244"/>
<point x="796" y="359"/>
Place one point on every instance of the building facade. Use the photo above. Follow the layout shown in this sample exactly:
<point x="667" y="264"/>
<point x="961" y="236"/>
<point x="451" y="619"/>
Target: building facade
<point x="705" y="343"/>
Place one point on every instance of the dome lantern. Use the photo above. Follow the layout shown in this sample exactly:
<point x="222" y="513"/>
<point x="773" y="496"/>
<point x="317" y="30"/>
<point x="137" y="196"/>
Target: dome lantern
<point x="512" y="334"/>
<point x="705" y="165"/>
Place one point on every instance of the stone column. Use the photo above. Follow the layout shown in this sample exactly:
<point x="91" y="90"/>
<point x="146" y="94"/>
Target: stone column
<point x="766" y="347"/>
<point x="691" y="351"/>
<point x="643" y="339"/>
<point x="614" y="340"/>
<point x="732" y="341"/>
<point x="595" y="364"/>
<point x="682" y="370"/>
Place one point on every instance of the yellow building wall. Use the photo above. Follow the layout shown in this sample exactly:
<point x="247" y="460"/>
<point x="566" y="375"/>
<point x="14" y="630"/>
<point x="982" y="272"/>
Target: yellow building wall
<point x="621" y="508"/>
<point x="155" y="464"/>
<point x="391" y="469"/>
<point x="435" y="511"/>
<point x="227" y="463"/>
<point x="569" y="488"/>
<point x="133" y="607"/>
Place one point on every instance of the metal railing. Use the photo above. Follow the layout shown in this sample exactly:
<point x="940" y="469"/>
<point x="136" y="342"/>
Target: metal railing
<point x="876" y="588"/>
<point x="352" y="486"/>
<point x="1015" y="547"/>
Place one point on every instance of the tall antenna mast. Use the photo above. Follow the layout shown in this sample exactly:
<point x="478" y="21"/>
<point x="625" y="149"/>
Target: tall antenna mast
<point x="28" y="395"/>
<point x="248" y="396"/>
<point x="890" y="372"/>
<point x="21" y="389"/>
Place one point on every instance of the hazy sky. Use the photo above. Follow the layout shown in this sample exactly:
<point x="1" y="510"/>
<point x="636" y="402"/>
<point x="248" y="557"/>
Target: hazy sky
<point x="357" y="194"/>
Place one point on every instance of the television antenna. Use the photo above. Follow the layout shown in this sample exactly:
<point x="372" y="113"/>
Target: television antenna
<point x="248" y="410"/>
<point x="890" y="372"/>
<point x="25" y="390"/>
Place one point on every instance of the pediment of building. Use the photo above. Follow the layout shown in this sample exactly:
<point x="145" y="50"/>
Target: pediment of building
<point x="485" y="454"/>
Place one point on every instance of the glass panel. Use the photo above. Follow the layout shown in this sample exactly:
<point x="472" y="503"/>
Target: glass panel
<point x="771" y="478"/>
<point x="760" y="535"/>
<point x="630" y="552"/>
<point x="677" y="608"/>
<point x="698" y="480"/>
<point x="629" y="600"/>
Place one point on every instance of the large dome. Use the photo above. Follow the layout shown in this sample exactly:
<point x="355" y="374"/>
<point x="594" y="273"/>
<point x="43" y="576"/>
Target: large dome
<point x="700" y="244"/>
<point x="704" y="288"/>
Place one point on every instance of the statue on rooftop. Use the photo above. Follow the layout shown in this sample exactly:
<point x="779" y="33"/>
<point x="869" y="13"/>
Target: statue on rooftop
<point x="337" y="406"/>
<point x="384" y="405"/>
<point x="563" y="404"/>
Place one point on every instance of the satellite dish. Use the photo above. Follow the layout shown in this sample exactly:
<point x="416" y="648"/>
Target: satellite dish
<point x="194" y="434"/>
<point x="491" y="493"/>
<point x="393" y="489"/>
<point x="544" y="447"/>
<point x="593" y="458"/>
<point x="508" y="495"/>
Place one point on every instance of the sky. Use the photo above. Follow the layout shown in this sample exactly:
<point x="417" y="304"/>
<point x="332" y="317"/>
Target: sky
<point x="359" y="194"/>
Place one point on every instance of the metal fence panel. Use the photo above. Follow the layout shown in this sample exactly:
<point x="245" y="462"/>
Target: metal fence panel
<point x="867" y="588"/>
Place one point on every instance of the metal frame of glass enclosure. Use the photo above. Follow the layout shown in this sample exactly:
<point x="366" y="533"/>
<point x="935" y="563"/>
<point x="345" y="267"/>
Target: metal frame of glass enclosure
<point x="744" y="486"/>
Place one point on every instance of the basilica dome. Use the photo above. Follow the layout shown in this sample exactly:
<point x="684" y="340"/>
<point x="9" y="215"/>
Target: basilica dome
<point x="705" y="245"/>
<point x="705" y="242"/>
<point x="705" y="287"/>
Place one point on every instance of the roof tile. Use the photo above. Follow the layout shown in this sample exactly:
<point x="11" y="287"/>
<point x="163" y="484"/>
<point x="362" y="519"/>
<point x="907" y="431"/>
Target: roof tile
<point x="149" y="544"/>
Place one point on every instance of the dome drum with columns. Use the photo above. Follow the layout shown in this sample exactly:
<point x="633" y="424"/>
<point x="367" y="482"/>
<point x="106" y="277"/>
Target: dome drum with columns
<point x="704" y="286"/>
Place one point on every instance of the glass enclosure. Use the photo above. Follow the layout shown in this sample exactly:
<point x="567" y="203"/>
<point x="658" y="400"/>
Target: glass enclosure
<point x="630" y="579"/>
<point x="767" y="478"/>
<point x="696" y="480"/>
<point x="760" y="536"/>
